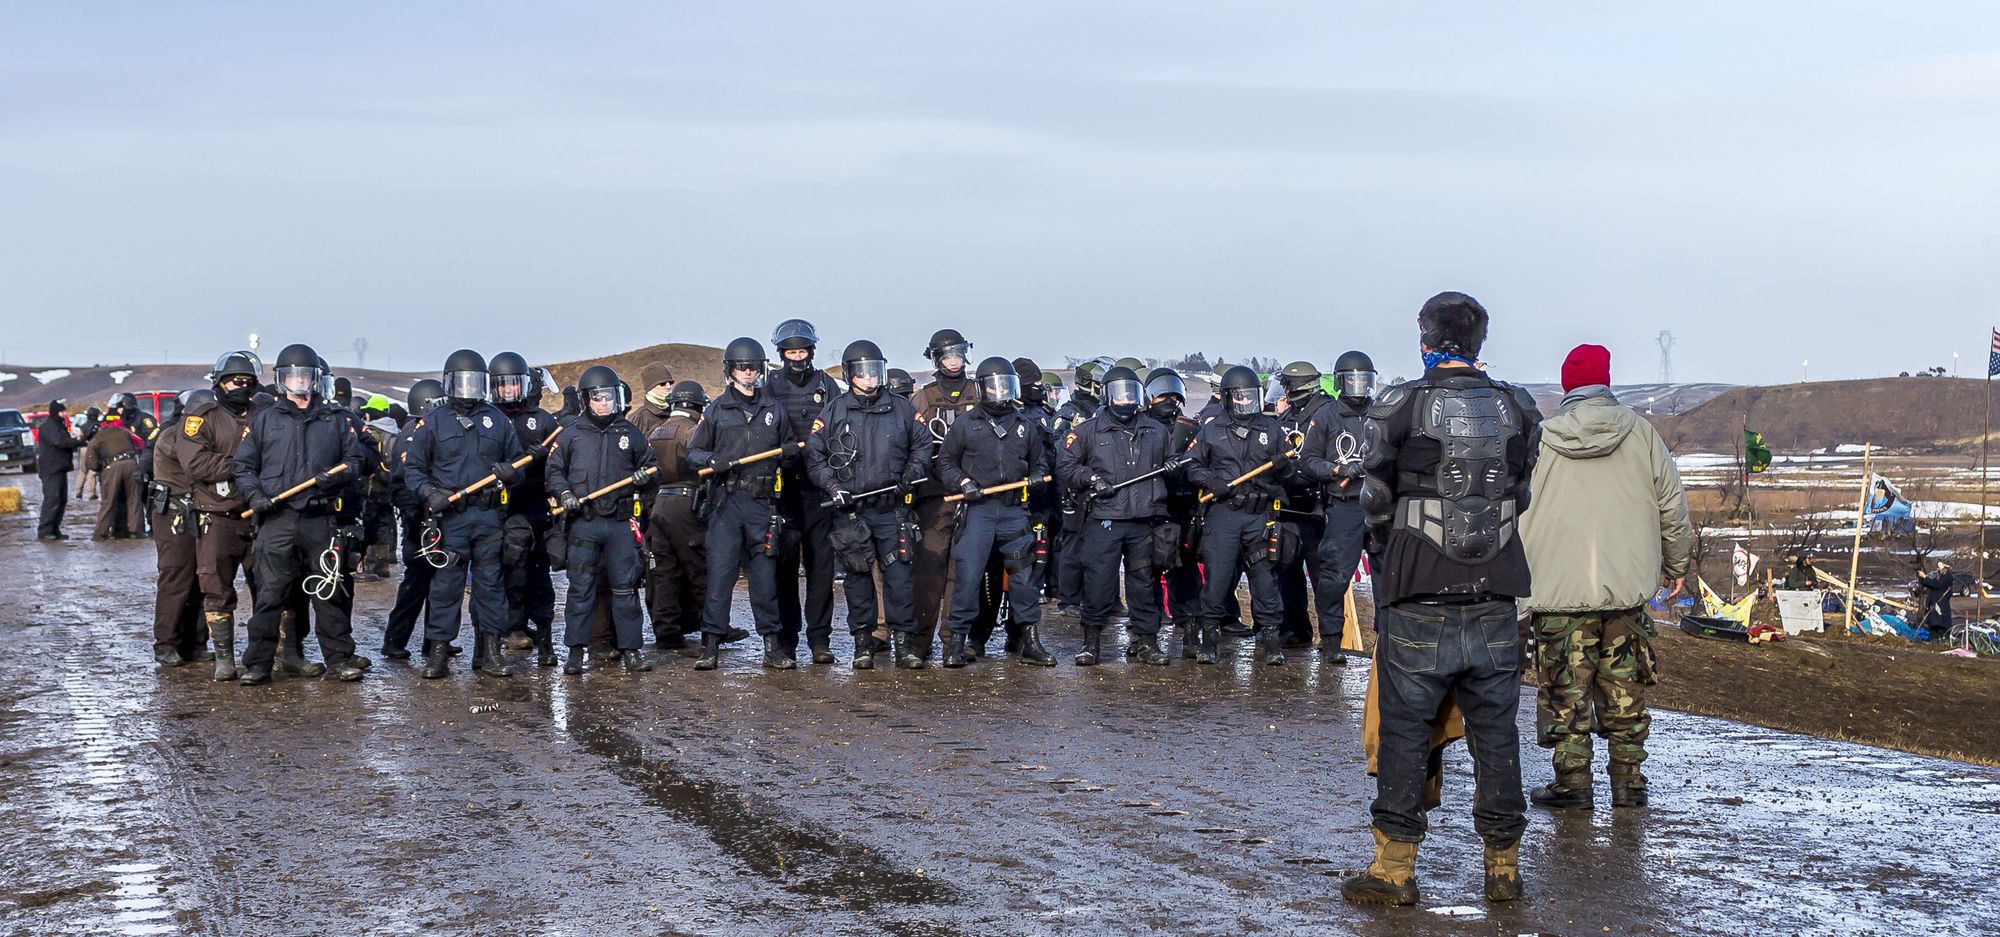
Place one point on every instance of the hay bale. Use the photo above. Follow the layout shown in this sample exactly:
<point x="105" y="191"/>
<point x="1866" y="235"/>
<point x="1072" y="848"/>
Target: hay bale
<point x="10" y="499"/>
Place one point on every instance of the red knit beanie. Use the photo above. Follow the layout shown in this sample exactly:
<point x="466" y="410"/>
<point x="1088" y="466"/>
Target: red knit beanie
<point x="1586" y="365"/>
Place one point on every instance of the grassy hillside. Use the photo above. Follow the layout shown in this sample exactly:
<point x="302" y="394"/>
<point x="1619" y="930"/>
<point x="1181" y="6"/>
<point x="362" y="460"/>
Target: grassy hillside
<point x="1918" y="413"/>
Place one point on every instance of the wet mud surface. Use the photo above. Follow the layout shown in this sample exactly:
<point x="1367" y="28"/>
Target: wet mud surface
<point x="999" y="799"/>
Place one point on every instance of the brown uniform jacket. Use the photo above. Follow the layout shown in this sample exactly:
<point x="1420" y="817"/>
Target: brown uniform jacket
<point x="939" y="404"/>
<point x="207" y="443"/>
<point x="669" y="439"/>
<point x="111" y="442"/>
<point x="168" y="469"/>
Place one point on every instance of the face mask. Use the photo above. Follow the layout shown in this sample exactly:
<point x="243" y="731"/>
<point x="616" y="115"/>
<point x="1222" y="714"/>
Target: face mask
<point x="997" y="408"/>
<point x="238" y="397"/>
<point x="463" y="406"/>
<point x="1166" y="411"/>
<point x="1434" y="358"/>
<point x="1123" y="411"/>
<point x="658" y="396"/>
<point x="799" y="367"/>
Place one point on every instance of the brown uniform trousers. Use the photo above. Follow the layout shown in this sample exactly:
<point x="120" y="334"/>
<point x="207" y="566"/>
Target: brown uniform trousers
<point x="118" y="480"/>
<point x="177" y="623"/>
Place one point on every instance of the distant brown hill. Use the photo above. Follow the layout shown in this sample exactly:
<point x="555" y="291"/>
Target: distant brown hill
<point x="30" y="388"/>
<point x="701" y="363"/>
<point x="1930" y="414"/>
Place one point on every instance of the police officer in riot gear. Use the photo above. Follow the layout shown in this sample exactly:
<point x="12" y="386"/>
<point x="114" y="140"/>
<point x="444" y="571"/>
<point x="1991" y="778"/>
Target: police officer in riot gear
<point x="988" y="446"/>
<point x="1302" y="511"/>
<point x="598" y="450"/>
<point x="1447" y="459"/>
<point x="458" y="445"/>
<point x="414" y="591"/>
<point x="675" y="533"/>
<point x="1067" y="558"/>
<point x="1239" y="533"/>
<point x="178" y="632"/>
<point x="742" y="421"/>
<point x="802" y="389"/>
<point x="1100" y="461"/>
<point x="950" y="395"/>
<point x="524" y="555"/>
<point x="1331" y="457"/>
<point x="863" y="442"/>
<point x="299" y="438"/>
<point x="206" y="447"/>
<point x="901" y="383"/>
<point x="1180" y="585"/>
<point x="1045" y="505"/>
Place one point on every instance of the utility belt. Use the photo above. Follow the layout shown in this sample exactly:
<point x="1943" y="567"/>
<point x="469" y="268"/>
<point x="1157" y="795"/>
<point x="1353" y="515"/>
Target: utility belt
<point x="121" y="457"/>
<point x="314" y="506"/>
<point x="763" y="489"/>
<point x="160" y="499"/>
<point x="680" y="491"/>
<point x="485" y="500"/>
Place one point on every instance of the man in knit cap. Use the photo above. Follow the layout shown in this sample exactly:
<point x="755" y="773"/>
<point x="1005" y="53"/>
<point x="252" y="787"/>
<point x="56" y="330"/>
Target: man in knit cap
<point x="1609" y="523"/>
<point x="656" y="382"/>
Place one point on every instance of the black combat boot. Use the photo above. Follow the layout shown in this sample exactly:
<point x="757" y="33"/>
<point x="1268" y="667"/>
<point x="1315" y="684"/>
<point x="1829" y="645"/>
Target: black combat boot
<point x="495" y="662"/>
<point x="1145" y="648"/>
<point x="545" y="649"/>
<point x="908" y="657"/>
<point x="1270" y="646"/>
<point x="822" y="650"/>
<point x="634" y="661"/>
<point x="1208" y="652"/>
<point x="292" y="650"/>
<point x="734" y="635"/>
<point x="346" y="671"/>
<point x="437" y="661"/>
<point x="775" y="655"/>
<point x="864" y="651"/>
<point x="1565" y="793"/>
<point x="168" y="658"/>
<point x="711" y="652"/>
<point x="1014" y="631"/>
<point x="519" y="640"/>
<point x="1330" y="653"/>
<point x="1190" y="633"/>
<point x="1628" y="786"/>
<point x="1093" y="646"/>
<point x="954" y="649"/>
<point x="256" y="676"/>
<point x="1031" y="650"/>
<point x="222" y="630"/>
<point x="574" y="665"/>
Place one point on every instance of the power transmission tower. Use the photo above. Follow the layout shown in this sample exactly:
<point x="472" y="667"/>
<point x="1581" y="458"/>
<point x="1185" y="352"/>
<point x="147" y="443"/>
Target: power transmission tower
<point x="1666" y="341"/>
<point x="360" y="352"/>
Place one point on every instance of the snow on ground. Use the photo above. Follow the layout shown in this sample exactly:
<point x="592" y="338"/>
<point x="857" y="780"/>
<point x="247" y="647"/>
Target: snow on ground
<point x="55" y="374"/>
<point x="118" y="377"/>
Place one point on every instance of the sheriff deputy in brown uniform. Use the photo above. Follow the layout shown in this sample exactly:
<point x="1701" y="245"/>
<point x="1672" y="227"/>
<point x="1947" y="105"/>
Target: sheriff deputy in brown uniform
<point x="178" y="635"/>
<point x="939" y="404"/>
<point x="674" y="535"/>
<point x="205" y="446"/>
<point x="113" y="454"/>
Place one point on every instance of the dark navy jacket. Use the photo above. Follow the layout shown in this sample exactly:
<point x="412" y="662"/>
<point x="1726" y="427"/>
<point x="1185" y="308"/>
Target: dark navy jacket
<point x="1102" y="446"/>
<point x="587" y="457"/>
<point x="880" y="441"/>
<point x="287" y="446"/>
<point x="446" y="453"/>
<point x="732" y="428"/>
<point x="991" y="450"/>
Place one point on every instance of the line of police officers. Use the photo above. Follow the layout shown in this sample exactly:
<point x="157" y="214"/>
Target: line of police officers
<point x="953" y="503"/>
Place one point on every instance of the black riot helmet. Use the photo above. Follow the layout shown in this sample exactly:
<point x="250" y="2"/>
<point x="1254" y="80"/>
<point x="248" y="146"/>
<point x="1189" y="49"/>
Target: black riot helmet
<point x="863" y="361"/>
<point x="1166" y="394"/>
<point x="1355" y="373"/>
<point x="793" y="334"/>
<point x="176" y="405"/>
<point x="513" y="382"/>
<point x="424" y="395"/>
<point x="687" y="395"/>
<point x="600" y="385"/>
<point x="123" y="401"/>
<point x="947" y="343"/>
<point x="743" y="353"/>
<point x="1122" y="392"/>
<point x="237" y="364"/>
<point x="465" y="377"/>
<point x="1242" y="393"/>
<point x="297" y="372"/>
<point x="999" y="385"/>
<point x="900" y="382"/>
<point x="1033" y="391"/>
<point x="192" y="400"/>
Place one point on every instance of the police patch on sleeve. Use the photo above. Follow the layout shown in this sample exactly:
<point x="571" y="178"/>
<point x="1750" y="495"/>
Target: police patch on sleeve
<point x="192" y="426"/>
<point x="1069" y="440"/>
<point x="818" y="424"/>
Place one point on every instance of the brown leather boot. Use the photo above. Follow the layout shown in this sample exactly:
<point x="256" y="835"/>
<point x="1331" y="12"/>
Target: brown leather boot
<point x="1503" y="873"/>
<point x="1390" y="879"/>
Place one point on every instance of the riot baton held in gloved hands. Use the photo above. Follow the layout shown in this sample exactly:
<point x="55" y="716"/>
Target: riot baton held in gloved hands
<point x="637" y="477"/>
<point x="296" y="489"/>
<point x="518" y="464"/>
<point x="748" y="459"/>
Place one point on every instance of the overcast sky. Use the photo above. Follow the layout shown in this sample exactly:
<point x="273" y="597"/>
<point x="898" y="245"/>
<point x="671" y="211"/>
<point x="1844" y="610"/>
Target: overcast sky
<point x="1772" y="181"/>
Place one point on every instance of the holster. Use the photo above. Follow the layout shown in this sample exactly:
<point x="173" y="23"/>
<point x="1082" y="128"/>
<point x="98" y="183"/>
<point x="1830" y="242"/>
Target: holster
<point x="1167" y="546"/>
<point x="1288" y="543"/>
<point x="773" y="535"/>
<point x="852" y="543"/>
<point x="558" y="545"/>
<point x="517" y="538"/>
<point x="908" y="534"/>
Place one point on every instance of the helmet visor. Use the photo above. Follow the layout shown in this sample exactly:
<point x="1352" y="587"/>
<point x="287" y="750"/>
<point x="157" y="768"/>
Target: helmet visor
<point x="748" y="372"/>
<point x="867" y="375"/>
<point x="954" y="353"/>
<point x="613" y="399"/>
<point x="1122" y="393"/>
<point x="299" y="380"/>
<point x="466" y="385"/>
<point x="1000" y="388"/>
<point x="256" y="364"/>
<point x="1164" y="384"/>
<point x="1357" y="383"/>
<point x="1244" y="400"/>
<point x="512" y="388"/>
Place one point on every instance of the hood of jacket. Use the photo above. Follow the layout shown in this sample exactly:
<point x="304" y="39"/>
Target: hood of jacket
<point x="1590" y="424"/>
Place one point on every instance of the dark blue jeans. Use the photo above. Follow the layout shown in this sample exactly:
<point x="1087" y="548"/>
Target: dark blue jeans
<point x="1472" y="653"/>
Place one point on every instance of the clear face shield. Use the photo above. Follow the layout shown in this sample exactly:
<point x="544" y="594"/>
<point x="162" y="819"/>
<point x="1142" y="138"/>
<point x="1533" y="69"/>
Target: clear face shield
<point x="466" y="385"/>
<point x="746" y="374"/>
<point x="605" y="401"/>
<point x="1123" y="396"/>
<point x="1243" y="401"/>
<point x="952" y="357"/>
<point x="326" y="386"/>
<point x="300" y="381"/>
<point x="511" y="389"/>
<point x="256" y="363"/>
<point x="1000" y="388"/>
<point x="1357" y="383"/>
<point x="867" y="375"/>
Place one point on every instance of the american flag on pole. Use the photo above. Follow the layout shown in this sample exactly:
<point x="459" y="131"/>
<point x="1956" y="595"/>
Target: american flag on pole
<point x="1993" y="356"/>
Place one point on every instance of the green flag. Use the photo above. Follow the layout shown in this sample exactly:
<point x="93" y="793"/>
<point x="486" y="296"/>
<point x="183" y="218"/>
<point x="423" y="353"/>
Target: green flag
<point x="1756" y="457"/>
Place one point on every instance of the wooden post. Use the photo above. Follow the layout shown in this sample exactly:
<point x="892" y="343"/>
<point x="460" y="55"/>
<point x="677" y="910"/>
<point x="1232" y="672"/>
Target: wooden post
<point x="1985" y="433"/>
<point x="1860" y="515"/>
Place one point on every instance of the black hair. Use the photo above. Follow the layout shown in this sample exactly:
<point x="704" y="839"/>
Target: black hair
<point x="1453" y="323"/>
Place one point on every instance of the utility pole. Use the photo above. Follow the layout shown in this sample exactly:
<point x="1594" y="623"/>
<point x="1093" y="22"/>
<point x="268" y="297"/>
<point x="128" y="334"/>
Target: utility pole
<point x="360" y="353"/>
<point x="1666" y="340"/>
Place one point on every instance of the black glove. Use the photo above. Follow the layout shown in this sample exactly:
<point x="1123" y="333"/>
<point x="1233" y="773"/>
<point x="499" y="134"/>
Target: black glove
<point x="570" y="502"/>
<point x="327" y="479"/>
<point x="507" y="473"/>
<point x="1221" y="490"/>
<point x="905" y="487"/>
<point x="1179" y="463"/>
<point x="1350" y="470"/>
<point x="1101" y="487"/>
<point x="437" y="500"/>
<point x="970" y="491"/>
<point x="1279" y="459"/>
<point x="642" y="476"/>
<point x="1037" y="483"/>
<point x="261" y="505"/>
<point x="841" y="497"/>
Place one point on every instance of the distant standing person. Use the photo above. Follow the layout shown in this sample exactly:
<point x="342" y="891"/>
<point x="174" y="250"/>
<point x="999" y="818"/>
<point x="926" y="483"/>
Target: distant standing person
<point x="1609" y="526"/>
<point x="114" y="454"/>
<point x="55" y="456"/>
<point x="1937" y="601"/>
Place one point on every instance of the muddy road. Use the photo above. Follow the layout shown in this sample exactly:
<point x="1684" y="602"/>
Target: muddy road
<point x="998" y="799"/>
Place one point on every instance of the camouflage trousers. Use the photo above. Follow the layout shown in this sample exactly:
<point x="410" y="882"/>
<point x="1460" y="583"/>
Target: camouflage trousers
<point x="1594" y="669"/>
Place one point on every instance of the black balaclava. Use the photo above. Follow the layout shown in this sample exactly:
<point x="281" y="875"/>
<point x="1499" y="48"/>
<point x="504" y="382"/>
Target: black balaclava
<point x="1166" y="409"/>
<point x="236" y="400"/>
